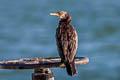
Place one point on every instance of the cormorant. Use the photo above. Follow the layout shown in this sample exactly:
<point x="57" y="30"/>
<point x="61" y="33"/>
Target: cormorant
<point x="67" y="41"/>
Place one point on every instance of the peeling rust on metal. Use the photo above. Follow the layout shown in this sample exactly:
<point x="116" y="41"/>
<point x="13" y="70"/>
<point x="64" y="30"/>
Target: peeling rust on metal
<point x="36" y="63"/>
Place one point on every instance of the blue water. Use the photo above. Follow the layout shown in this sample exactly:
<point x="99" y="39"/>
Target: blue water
<point x="27" y="30"/>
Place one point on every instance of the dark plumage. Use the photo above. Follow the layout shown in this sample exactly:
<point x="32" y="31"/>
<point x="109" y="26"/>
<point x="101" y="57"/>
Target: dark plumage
<point x="67" y="41"/>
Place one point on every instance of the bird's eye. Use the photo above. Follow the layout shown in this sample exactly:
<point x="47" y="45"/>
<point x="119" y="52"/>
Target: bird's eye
<point x="62" y="16"/>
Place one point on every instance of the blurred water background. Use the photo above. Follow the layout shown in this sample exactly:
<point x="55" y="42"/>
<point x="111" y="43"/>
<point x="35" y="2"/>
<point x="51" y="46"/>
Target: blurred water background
<point x="27" y="30"/>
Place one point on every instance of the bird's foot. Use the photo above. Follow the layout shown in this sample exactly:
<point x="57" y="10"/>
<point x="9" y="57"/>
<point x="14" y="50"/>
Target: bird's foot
<point x="62" y="61"/>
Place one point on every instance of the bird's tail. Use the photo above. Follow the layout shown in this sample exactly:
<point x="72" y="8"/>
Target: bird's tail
<point x="71" y="69"/>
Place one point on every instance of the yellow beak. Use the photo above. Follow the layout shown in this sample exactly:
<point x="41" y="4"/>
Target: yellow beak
<point x="55" y="14"/>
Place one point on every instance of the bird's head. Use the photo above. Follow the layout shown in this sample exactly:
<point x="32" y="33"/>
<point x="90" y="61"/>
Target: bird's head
<point x="61" y="14"/>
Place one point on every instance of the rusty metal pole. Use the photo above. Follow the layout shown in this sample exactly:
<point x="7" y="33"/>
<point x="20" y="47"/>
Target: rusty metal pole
<point x="41" y="66"/>
<point x="42" y="74"/>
